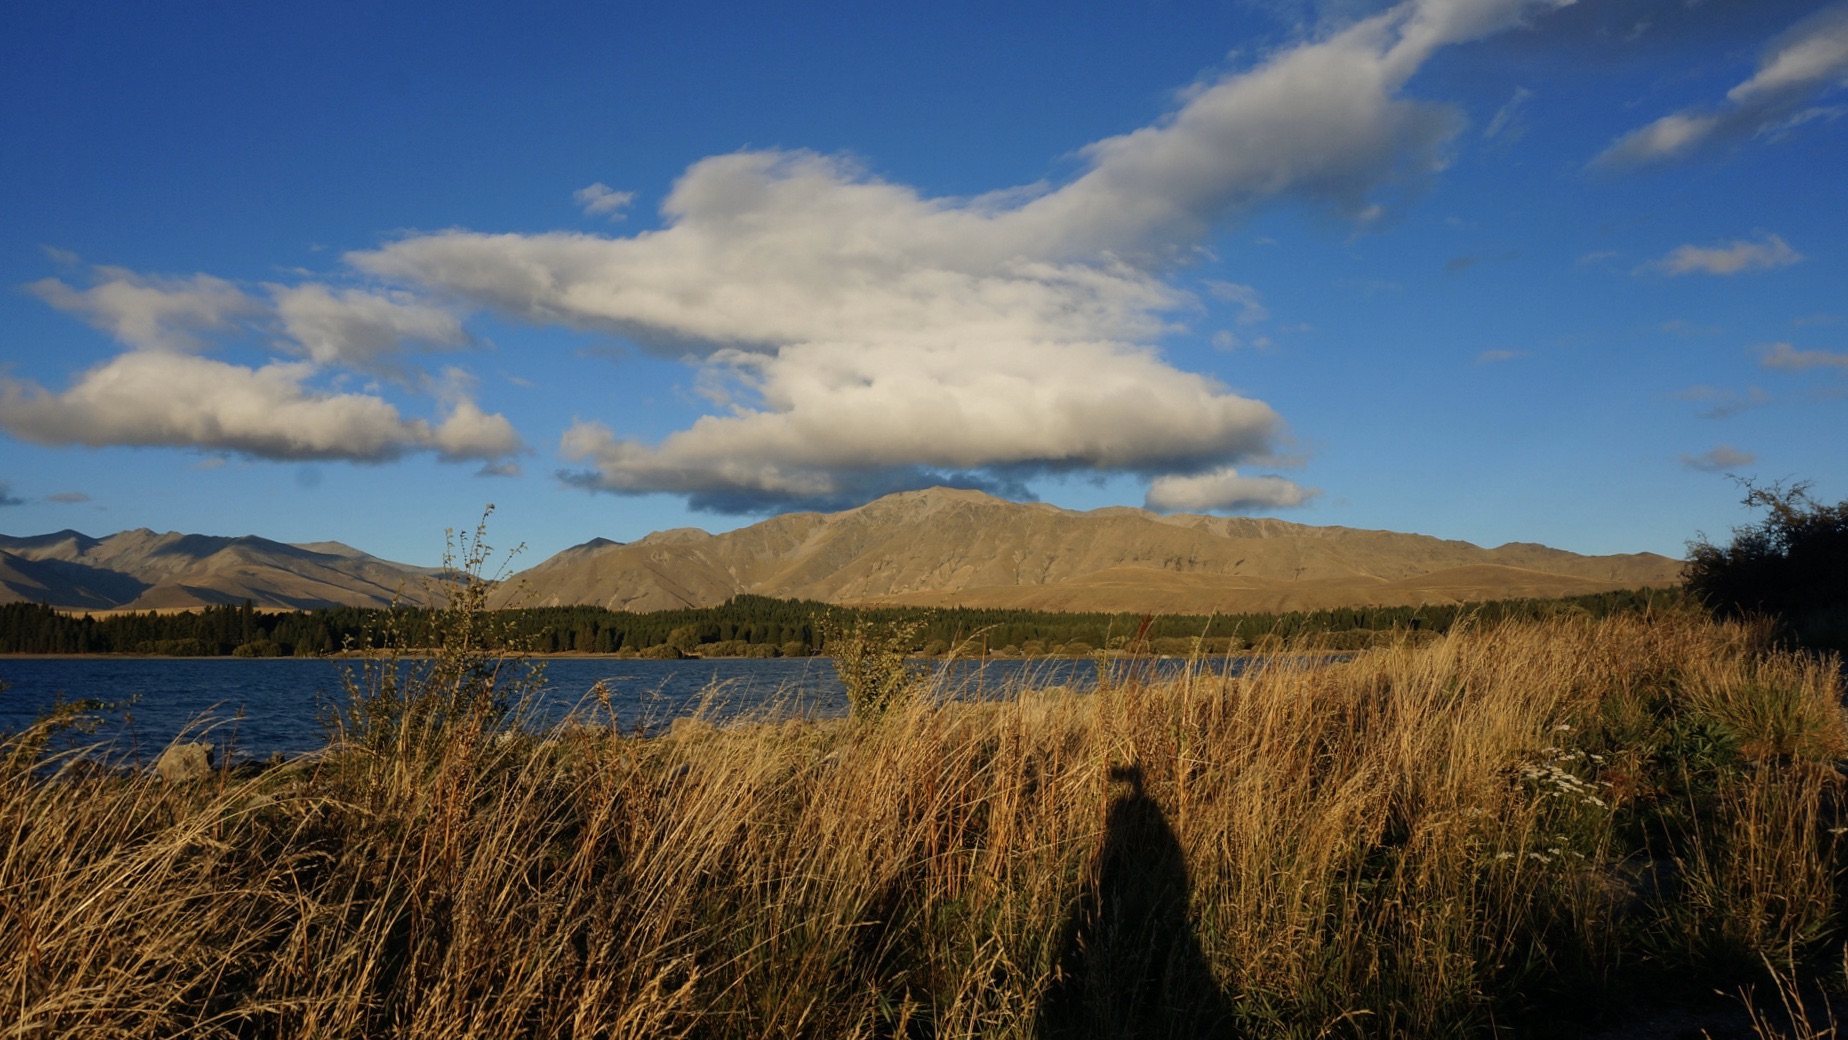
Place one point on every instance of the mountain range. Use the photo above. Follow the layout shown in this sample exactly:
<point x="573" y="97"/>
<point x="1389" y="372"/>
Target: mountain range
<point x="144" y="570"/>
<point x="944" y="547"/>
<point x="939" y="547"/>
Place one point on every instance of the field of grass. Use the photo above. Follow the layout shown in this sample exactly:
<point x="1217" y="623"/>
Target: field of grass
<point x="1503" y="831"/>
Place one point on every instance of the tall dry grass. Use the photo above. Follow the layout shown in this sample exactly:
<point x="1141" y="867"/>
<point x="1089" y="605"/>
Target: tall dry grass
<point x="1438" y="840"/>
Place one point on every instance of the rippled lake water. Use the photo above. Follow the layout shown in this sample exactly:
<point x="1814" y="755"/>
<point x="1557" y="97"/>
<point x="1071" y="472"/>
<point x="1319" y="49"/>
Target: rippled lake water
<point x="257" y="707"/>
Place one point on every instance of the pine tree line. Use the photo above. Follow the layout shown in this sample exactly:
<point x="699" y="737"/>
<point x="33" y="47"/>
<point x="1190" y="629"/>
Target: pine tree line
<point x="760" y="626"/>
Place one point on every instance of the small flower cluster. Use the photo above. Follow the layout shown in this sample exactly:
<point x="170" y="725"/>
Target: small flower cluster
<point x="1554" y="773"/>
<point x="1551" y="852"/>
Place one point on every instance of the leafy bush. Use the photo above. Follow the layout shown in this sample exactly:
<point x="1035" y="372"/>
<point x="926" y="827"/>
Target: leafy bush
<point x="870" y="656"/>
<point x="1791" y="567"/>
<point x="173" y="648"/>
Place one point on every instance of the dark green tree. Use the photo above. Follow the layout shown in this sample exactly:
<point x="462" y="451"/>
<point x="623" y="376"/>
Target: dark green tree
<point x="1791" y="567"/>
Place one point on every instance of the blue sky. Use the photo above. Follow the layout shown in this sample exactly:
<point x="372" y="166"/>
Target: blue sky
<point x="1498" y="270"/>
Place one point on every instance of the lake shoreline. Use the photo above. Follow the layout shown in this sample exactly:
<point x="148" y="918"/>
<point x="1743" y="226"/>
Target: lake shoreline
<point x="574" y="656"/>
<point x="147" y="701"/>
<point x="1470" y="820"/>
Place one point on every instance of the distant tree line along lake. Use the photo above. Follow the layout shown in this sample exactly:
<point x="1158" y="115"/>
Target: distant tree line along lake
<point x="758" y="626"/>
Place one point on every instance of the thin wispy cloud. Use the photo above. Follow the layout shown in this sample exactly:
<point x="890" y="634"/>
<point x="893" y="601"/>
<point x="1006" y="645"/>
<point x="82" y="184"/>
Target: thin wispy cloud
<point x="1459" y="264"/>
<point x="1721" y="459"/>
<point x="1226" y="339"/>
<point x="1786" y="358"/>
<point x="1225" y="490"/>
<point x="1509" y="123"/>
<point x="68" y="498"/>
<point x="1729" y="258"/>
<point x="1251" y="305"/>
<point x="7" y="498"/>
<point x="1720" y="403"/>
<point x="1494" y="357"/>
<point x="1683" y="327"/>
<point x="1794" y="73"/>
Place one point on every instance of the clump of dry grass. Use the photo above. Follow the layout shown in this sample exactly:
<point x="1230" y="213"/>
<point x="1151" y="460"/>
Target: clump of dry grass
<point x="1420" y="841"/>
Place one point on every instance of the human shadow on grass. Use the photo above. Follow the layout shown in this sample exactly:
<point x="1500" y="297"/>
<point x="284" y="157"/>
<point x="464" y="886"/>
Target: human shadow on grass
<point x="1131" y="967"/>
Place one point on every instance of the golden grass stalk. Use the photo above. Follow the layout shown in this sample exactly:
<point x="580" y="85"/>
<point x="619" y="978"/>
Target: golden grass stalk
<point x="1416" y="842"/>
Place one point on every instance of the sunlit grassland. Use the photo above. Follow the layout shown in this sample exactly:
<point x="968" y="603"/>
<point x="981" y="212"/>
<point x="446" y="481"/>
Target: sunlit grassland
<point x="1508" y="826"/>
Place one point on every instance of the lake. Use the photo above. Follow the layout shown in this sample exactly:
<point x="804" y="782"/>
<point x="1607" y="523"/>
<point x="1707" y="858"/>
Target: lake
<point x="283" y="701"/>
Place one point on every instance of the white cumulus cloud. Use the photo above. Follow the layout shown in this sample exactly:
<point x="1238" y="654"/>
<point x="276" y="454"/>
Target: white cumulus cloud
<point x="837" y="415"/>
<point x="147" y="398"/>
<point x="149" y="312"/>
<point x="360" y="329"/>
<point x="601" y="200"/>
<point x="160" y="392"/>
<point x="870" y="338"/>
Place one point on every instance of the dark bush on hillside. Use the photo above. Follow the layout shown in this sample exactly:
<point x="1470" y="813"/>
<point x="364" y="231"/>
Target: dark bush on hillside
<point x="260" y="648"/>
<point x="1791" y="567"/>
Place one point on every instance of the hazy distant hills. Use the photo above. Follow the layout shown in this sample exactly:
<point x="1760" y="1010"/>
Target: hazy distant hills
<point x="963" y="548"/>
<point x="142" y="570"/>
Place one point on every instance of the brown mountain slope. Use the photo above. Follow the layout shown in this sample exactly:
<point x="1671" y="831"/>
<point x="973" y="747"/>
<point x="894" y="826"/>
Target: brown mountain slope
<point x="945" y="547"/>
<point x="141" y="570"/>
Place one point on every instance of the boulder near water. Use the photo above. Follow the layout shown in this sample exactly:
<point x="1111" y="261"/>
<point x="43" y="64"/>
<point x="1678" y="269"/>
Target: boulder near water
<point x="182" y="762"/>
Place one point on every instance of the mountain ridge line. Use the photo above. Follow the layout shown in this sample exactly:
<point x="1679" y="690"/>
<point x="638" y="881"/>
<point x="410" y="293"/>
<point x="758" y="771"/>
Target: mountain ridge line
<point x="930" y="548"/>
